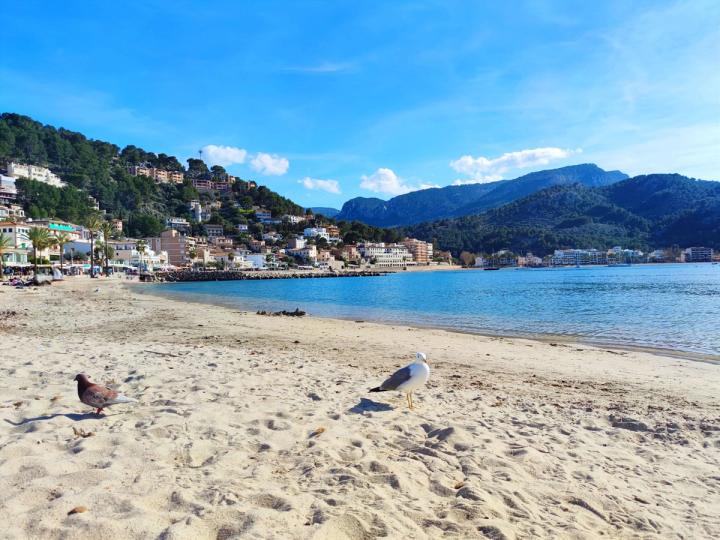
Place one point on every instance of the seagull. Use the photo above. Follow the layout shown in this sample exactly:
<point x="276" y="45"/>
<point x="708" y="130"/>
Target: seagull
<point x="407" y="379"/>
<point x="98" y="396"/>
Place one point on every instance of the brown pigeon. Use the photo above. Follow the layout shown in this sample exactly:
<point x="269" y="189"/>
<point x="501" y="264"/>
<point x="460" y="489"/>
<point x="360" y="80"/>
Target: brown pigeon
<point x="98" y="396"/>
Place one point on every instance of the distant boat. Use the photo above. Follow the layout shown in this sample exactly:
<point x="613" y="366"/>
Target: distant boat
<point x="616" y="265"/>
<point x="492" y="268"/>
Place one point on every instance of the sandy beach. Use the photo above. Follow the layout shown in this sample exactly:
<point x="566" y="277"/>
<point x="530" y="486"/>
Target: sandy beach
<point x="253" y="426"/>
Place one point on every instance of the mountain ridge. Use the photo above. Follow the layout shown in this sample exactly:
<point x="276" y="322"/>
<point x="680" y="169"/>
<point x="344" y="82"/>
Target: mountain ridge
<point x="455" y="201"/>
<point x="626" y="213"/>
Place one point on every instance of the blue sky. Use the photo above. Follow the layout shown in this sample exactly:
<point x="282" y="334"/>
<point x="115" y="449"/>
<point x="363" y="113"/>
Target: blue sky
<point x="324" y="101"/>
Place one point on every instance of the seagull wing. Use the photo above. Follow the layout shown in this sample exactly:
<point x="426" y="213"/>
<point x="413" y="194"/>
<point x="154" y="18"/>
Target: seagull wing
<point x="396" y="379"/>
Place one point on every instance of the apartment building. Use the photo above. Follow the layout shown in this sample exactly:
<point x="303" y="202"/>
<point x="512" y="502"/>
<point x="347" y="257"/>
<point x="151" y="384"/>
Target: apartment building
<point x="566" y="257"/>
<point x="386" y="255"/>
<point x="161" y="176"/>
<point x="32" y="172"/>
<point x="350" y="252"/>
<point x="18" y="233"/>
<point x="262" y="215"/>
<point x="214" y="231"/>
<point x="698" y="254"/>
<point x="178" y="224"/>
<point x="316" y="232"/>
<point x="422" y="252"/>
<point x="20" y="245"/>
<point x="10" y="212"/>
<point x="202" y="184"/>
<point x="8" y="191"/>
<point x="177" y="247"/>
<point x="56" y="226"/>
<point x="296" y="243"/>
<point x="117" y="225"/>
<point x="201" y="212"/>
<point x="308" y="253"/>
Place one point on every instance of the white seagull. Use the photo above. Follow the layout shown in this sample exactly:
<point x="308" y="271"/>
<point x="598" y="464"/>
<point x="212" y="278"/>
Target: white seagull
<point x="407" y="379"/>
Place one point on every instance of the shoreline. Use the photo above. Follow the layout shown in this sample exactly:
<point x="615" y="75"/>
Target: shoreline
<point x="566" y="339"/>
<point x="263" y="427"/>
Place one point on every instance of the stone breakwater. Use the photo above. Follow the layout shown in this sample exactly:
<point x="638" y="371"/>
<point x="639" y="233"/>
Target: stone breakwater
<point x="189" y="275"/>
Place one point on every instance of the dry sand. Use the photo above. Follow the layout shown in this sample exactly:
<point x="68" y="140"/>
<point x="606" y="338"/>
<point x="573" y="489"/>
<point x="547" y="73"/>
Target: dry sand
<point x="512" y="438"/>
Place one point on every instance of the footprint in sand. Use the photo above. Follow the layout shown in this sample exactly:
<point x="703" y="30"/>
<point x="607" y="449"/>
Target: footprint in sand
<point x="266" y="500"/>
<point x="276" y="426"/>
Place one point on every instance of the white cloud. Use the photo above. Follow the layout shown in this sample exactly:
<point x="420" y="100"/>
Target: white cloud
<point x="331" y="186"/>
<point x="269" y="164"/>
<point x="223" y="155"/>
<point x="385" y="181"/>
<point x="482" y="169"/>
<point x="468" y="181"/>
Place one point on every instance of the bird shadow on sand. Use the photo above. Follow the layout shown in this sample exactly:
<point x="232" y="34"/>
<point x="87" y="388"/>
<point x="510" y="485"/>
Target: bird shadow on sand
<point x="368" y="405"/>
<point x="75" y="417"/>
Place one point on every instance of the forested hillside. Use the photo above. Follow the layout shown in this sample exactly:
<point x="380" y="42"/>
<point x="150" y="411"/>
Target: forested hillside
<point x="456" y="201"/>
<point x="644" y="212"/>
<point x="100" y="169"/>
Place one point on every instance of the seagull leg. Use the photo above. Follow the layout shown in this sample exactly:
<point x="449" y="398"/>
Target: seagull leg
<point x="412" y="403"/>
<point x="407" y="396"/>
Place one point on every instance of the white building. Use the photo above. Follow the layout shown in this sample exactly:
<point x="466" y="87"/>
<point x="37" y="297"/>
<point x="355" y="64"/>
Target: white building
<point x="293" y="219"/>
<point x="8" y="191"/>
<point x="386" y="255"/>
<point x="127" y="252"/>
<point x="563" y="257"/>
<point x="620" y="255"/>
<point x="201" y="212"/>
<point x="12" y="211"/>
<point x="18" y="233"/>
<point x="32" y="172"/>
<point x="316" y="232"/>
<point x="698" y="254"/>
<point x="308" y="253"/>
<point x="178" y="224"/>
<point x="272" y="236"/>
<point x="258" y="260"/>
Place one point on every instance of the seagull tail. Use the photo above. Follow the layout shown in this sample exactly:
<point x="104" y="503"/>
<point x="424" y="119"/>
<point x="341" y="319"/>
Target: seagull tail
<point x="376" y="389"/>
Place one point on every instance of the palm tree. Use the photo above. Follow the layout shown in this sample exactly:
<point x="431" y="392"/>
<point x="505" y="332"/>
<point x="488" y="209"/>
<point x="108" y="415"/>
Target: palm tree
<point x="60" y="240"/>
<point x="141" y="246"/>
<point x="93" y="225"/>
<point x="107" y="230"/>
<point x="40" y="239"/>
<point x="5" y="243"/>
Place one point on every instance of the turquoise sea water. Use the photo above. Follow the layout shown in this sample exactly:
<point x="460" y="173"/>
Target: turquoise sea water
<point x="666" y="306"/>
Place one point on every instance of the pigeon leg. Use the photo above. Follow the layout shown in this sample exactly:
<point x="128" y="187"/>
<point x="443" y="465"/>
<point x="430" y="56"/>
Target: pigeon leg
<point x="99" y="410"/>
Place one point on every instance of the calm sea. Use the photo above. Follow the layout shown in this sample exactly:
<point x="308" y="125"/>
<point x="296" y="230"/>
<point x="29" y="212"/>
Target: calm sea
<point x="673" y="306"/>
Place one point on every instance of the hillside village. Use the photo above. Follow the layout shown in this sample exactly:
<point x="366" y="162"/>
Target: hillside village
<point x="220" y="228"/>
